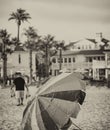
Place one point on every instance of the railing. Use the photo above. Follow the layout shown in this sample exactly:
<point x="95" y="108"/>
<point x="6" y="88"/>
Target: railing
<point x="99" y="64"/>
<point x="84" y="65"/>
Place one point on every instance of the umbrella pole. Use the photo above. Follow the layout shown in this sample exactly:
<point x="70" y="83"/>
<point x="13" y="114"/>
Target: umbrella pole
<point x="76" y="126"/>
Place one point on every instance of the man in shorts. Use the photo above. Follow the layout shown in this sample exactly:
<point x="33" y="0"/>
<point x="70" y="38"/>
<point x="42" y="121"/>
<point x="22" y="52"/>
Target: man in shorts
<point x="20" y="85"/>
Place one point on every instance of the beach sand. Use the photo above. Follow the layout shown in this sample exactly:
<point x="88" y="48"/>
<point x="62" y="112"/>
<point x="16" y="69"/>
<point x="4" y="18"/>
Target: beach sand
<point x="94" y="113"/>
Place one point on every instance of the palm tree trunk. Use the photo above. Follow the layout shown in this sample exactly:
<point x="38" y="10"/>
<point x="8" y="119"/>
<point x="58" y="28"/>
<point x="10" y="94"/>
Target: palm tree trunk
<point x="4" y="69"/>
<point x="31" y="70"/>
<point x="18" y="32"/>
<point x="4" y="65"/>
<point x="37" y="66"/>
<point x="60" y="59"/>
<point x="47" y="62"/>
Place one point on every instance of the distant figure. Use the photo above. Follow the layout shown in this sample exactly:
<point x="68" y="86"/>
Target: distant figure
<point x="20" y="85"/>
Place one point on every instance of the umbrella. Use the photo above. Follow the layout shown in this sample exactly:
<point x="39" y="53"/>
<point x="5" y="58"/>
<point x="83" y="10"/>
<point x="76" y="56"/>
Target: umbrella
<point x="54" y="103"/>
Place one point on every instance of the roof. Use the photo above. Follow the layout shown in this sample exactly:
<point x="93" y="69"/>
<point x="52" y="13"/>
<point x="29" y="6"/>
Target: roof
<point x="91" y="52"/>
<point x="107" y="51"/>
<point x="91" y="40"/>
<point x="71" y="44"/>
<point x="82" y="52"/>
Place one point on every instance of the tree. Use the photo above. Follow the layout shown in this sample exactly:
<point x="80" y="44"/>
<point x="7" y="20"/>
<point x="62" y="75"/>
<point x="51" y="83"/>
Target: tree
<point x="105" y="45"/>
<point x="48" y="42"/>
<point x="60" y="46"/>
<point x="6" y="48"/>
<point x="19" y="16"/>
<point x="41" y="71"/>
<point x="32" y="36"/>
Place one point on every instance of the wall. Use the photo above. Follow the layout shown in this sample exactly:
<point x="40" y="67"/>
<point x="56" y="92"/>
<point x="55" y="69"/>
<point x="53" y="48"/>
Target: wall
<point x="84" y="45"/>
<point x="14" y="65"/>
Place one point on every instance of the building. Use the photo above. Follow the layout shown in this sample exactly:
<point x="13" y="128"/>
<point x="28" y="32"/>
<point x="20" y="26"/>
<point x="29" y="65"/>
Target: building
<point x="20" y="61"/>
<point x="90" y="56"/>
<point x="89" y="44"/>
<point x="94" y="62"/>
<point x="86" y="55"/>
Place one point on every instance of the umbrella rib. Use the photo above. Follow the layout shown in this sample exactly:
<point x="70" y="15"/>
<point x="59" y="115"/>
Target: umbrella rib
<point x="56" y="110"/>
<point x="69" y="118"/>
<point x="54" y="106"/>
<point x="71" y="95"/>
<point x="76" y="126"/>
<point x="53" y="83"/>
<point x="28" y="116"/>
<point x="51" y="121"/>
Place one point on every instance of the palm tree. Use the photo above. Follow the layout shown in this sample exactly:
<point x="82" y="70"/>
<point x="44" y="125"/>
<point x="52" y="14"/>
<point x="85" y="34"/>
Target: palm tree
<point x="61" y="46"/>
<point x="5" y="49"/>
<point x="32" y="36"/>
<point x="19" y="16"/>
<point x="48" y="42"/>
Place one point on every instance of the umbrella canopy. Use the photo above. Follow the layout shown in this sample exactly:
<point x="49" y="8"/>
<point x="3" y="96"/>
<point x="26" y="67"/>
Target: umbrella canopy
<point x="54" y="103"/>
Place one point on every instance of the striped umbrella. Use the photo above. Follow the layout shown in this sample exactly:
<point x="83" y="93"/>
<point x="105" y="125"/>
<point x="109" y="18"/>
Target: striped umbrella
<point x="54" y="103"/>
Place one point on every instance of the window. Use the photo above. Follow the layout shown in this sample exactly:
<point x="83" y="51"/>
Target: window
<point x="69" y="60"/>
<point x="65" y="60"/>
<point x="73" y="59"/>
<point x="79" y="47"/>
<point x="60" y="59"/>
<point x="90" y="59"/>
<point x="90" y="47"/>
<point x="101" y="71"/>
<point x="94" y="58"/>
<point x="101" y="74"/>
<point x="98" y="57"/>
<point x="103" y="58"/>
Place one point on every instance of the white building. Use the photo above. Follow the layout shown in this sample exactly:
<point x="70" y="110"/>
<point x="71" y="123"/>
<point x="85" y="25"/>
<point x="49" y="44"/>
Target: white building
<point x="94" y="62"/>
<point x="85" y="56"/>
<point x="19" y="61"/>
<point x="89" y="44"/>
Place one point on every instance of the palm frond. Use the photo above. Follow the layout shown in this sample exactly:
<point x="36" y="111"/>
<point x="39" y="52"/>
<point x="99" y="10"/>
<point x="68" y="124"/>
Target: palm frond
<point x="13" y="16"/>
<point x="20" y="15"/>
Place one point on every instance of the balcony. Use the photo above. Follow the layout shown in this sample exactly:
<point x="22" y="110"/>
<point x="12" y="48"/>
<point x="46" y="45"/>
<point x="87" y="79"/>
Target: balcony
<point x="99" y="64"/>
<point x="80" y="65"/>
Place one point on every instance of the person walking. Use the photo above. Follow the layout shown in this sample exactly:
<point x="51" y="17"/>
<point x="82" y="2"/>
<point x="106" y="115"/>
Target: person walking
<point x="20" y="85"/>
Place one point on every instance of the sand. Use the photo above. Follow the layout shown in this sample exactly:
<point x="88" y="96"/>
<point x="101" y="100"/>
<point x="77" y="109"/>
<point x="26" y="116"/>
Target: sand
<point x="94" y="113"/>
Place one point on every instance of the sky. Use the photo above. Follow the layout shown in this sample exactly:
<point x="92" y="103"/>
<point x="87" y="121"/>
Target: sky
<point x="69" y="20"/>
